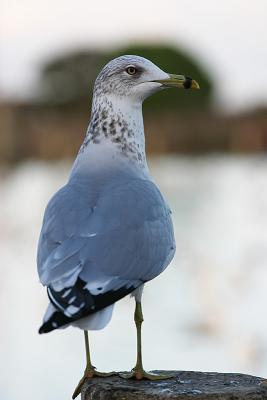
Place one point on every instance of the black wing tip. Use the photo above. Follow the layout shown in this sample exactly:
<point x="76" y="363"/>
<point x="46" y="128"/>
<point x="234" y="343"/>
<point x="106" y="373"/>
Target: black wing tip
<point x="57" y="320"/>
<point x="92" y="304"/>
<point x="45" y="328"/>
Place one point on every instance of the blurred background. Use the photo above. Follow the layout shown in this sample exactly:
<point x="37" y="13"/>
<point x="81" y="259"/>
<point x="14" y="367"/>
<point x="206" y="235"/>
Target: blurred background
<point x="207" y="151"/>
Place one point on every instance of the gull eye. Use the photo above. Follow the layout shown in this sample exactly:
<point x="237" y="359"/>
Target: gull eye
<point x="131" y="70"/>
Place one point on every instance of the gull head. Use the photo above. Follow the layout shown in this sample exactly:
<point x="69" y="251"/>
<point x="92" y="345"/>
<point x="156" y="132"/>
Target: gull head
<point x="116" y="118"/>
<point x="136" y="78"/>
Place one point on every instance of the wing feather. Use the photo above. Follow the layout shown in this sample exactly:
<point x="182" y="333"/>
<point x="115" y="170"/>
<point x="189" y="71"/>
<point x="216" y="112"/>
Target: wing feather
<point x="114" y="238"/>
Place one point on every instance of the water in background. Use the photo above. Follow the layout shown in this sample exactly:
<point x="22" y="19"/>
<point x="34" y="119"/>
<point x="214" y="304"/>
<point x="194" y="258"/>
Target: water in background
<point x="207" y="311"/>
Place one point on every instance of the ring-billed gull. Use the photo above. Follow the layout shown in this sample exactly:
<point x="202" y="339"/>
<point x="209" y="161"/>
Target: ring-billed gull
<point x="108" y="231"/>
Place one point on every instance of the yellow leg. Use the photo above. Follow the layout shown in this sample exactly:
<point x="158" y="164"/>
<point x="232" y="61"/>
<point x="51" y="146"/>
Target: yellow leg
<point x="90" y="371"/>
<point x="138" y="371"/>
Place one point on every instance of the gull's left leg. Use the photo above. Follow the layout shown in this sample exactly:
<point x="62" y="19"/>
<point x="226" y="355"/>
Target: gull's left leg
<point x="138" y="371"/>
<point x="90" y="370"/>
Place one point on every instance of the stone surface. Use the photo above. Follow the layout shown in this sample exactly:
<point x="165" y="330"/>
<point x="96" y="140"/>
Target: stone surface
<point x="186" y="385"/>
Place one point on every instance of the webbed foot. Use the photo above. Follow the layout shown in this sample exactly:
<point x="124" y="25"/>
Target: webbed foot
<point x="140" y="373"/>
<point x="90" y="373"/>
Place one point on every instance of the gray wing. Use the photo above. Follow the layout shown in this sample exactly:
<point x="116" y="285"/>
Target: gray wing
<point x="107" y="242"/>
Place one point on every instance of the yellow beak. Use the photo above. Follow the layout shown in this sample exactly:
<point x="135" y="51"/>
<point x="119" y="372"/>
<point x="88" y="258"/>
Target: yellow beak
<point x="179" y="81"/>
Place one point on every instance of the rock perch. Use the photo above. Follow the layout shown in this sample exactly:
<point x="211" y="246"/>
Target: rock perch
<point x="186" y="385"/>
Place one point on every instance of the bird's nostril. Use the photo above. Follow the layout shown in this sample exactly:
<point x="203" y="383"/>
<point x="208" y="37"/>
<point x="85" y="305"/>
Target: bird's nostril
<point x="187" y="82"/>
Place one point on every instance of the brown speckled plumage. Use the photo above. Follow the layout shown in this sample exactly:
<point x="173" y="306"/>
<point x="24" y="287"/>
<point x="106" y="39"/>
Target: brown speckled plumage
<point x="106" y="123"/>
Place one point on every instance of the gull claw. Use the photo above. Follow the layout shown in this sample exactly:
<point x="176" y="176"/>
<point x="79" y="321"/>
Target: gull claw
<point x="139" y="374"/>
<point x="90" y="374"/>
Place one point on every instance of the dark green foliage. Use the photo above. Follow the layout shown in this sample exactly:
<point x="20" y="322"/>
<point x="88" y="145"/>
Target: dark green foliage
<point x="69" y="79"/>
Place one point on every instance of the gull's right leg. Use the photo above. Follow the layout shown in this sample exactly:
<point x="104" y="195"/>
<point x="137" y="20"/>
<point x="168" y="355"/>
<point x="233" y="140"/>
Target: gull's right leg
<point x="138" y="371"/>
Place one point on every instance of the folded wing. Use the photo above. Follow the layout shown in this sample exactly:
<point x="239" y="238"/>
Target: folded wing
<point x="97" y="246"/>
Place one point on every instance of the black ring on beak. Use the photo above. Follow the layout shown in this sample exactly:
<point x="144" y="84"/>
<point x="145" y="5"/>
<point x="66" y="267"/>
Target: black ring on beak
<point x="188" y="82"/>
